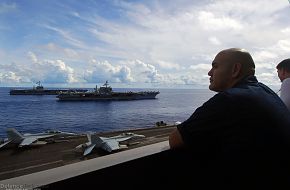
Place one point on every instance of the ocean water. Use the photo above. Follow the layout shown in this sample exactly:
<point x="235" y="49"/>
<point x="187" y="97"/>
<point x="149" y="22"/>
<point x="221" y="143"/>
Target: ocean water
<point x="31" y="113"/>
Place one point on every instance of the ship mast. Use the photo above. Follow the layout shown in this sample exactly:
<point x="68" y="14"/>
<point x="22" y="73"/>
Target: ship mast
<point x="39" y="86"/>
<point x="106" y="84"/>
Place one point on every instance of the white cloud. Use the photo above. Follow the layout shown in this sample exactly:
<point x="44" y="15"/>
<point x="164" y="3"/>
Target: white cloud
<point x="200" y="67"/>
<point x="102" y="71"/>
<point x="284" y="45"/>
<point x="127" y="72"/>
<point x="48" y="71"/>
<point x="269" y="78"/>
<point x="214" y="41"/>
<point x="211" y="22"/>
<point x="286" y="30"/>
<point x="9" y="77"/>
<point x="264" y="55"/>
<point x="168" y="65"/>
<point x="56" y="71"/>
<point x="144" y="72"/>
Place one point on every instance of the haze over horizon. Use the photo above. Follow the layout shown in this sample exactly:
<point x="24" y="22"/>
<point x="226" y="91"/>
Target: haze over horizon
<point x="136" y="43"/>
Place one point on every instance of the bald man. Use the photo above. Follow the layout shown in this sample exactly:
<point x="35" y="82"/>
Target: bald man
<point x="245" y="123"/>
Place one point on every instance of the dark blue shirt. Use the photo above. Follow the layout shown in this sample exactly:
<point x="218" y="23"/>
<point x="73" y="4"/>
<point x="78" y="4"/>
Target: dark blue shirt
<point x="248" y="119"/>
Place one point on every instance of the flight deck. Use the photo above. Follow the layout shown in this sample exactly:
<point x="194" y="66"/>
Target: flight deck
<point x="62" y="151"/>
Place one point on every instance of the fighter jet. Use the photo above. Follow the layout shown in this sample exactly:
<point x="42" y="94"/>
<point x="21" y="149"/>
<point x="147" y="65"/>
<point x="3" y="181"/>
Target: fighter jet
<point x="108" y="144"/>
<point x="27" y="139"/>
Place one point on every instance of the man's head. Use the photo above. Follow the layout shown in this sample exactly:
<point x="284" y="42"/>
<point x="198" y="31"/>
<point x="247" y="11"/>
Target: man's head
<point x="283" y="69"/>
<point x="229" y="67"/>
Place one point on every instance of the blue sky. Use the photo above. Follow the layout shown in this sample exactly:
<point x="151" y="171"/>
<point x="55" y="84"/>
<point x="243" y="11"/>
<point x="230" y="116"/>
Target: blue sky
<point x="150" y="43"/>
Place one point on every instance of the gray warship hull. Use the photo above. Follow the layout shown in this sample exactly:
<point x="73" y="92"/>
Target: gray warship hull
<point x="39" y="90"/>
<point x="103" y="97"/>
<point x="42" y="92"/>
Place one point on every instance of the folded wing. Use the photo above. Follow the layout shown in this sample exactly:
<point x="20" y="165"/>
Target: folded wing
<point x="89" y="149"/>
<point x="4" y="144"/>
<point x="110" y="145"/>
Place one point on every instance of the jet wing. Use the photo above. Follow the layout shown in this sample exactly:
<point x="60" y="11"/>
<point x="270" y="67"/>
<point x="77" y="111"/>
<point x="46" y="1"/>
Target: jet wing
<point x="122" y="139"/>
<point x="44" y="136"/>
<point x="89" y="149"/>
<point x="110" y="145"/>
<point x="28" y="141"/>
<point x="2" y="145"/>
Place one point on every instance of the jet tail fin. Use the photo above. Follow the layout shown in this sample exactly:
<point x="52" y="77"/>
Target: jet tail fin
<point x="14" y="135"/>
<point x="95" y="139"/>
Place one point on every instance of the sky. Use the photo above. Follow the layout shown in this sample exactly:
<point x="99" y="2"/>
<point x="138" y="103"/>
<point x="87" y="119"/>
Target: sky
<point x="136" y="43"/>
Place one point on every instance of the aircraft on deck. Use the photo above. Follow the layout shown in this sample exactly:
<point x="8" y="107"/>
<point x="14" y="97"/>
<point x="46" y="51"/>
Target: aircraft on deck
<point x="15" y="137"/>
<point x="108" y="144"/>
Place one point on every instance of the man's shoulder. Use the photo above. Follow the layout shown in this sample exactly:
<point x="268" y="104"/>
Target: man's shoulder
<point x="226" y="95"/>
<point x="285" y="87"/>
<point x="286" y="81"/>
<point x="251" y="87"/>
<point x="218" y="99"/>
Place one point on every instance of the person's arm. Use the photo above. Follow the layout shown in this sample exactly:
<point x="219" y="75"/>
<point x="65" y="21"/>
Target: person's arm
<point x="175" y="140"/>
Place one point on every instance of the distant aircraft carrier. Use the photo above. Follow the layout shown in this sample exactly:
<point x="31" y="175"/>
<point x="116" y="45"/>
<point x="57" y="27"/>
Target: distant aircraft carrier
<point x="39" y="90"/>
<point x="106" y="93"/>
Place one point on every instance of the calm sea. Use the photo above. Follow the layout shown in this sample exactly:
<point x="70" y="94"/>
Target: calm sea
<point x="31" y="114"/>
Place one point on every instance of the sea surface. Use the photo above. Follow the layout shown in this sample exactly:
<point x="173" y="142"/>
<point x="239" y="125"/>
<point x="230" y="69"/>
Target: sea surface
<point x="36" y="113"/>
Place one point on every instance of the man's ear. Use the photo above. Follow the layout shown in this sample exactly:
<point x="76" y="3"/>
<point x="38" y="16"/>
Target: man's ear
<point x="237" y="69"/>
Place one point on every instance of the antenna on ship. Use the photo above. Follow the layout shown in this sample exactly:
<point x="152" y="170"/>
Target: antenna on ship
<point x="106" y="84"/>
